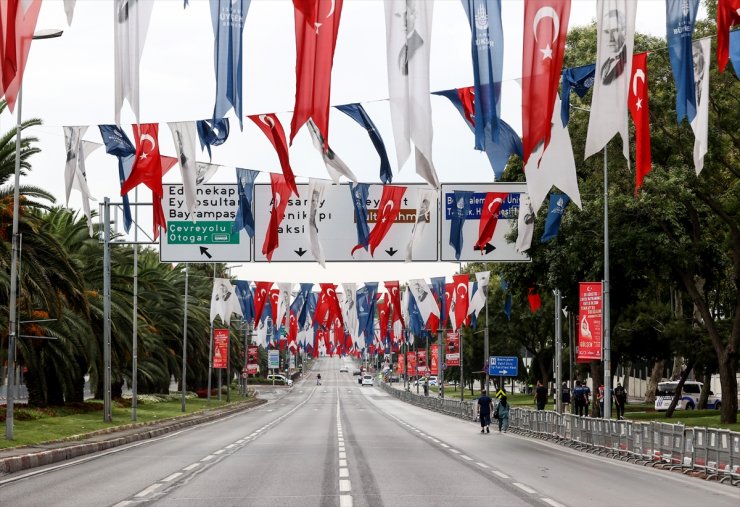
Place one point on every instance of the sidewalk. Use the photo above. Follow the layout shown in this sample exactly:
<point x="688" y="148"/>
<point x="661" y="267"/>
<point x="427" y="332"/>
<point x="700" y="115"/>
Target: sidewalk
<point x="16" y="459"/>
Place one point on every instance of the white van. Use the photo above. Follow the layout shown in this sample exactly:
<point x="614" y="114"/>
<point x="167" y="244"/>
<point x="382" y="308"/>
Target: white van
<point x="689" y="396"/>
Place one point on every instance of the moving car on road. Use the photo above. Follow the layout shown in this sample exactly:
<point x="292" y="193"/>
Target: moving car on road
<point x="344" y="369"/>
<point x="367" y="380"/>
<point x="280" y="380"/>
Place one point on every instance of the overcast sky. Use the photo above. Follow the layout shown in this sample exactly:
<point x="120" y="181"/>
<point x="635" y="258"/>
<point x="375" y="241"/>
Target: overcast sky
<point x="69" y="81"/>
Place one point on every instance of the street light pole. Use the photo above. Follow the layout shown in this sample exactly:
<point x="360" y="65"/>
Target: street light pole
<point x="607" y="332"/>
<point x="185" y="340"/>
<point x="12" y="311"/>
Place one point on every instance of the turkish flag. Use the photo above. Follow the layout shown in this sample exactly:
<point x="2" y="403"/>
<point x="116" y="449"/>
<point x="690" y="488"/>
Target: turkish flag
<point x="728" y="14"/>
<point x="433" y="321"/>
<point x="327" y="306"/>
<point x="274" y="296"/>
<point x="462" y="298"/>
<point x="467" y="99"/>
<point x="388" y="209"/>
<point x="395" y="300"/>
<point x="273" y="129"/>
<point x="316" y="27"/>
<point x="545" y="29"/>
<point x="280" y="196"/>
<point x="534" y="300"/>
<point x="638" y="106"/>
<point x="17" y="24"/>
<point x="383" y="315"/>
<point x="488" y="220"/>
<point x="449" y="302"/>
<point x="261" y="295"/>
<point x="292" y="327"/>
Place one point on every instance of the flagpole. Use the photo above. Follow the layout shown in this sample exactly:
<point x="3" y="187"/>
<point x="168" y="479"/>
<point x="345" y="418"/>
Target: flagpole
<point x="135" y="337"/>
<point x="185" y="341"/>
<point x="462" y="386"/>
<point x="210" y="348"/>
<point x="486" y="351"/>
<point x="558" y="354"/>
<point x="440" y="363"/>
<point x="607" y="333"/>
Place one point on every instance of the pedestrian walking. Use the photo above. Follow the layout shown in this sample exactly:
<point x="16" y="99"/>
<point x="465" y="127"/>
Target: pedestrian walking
<point x="502" y="414"/>
<point x="600" y="397"/>
<point x="540" y="395"/>
<point x="565" y="397"/>
<point x="620" y="400"/>
<point x="485" y="404"/>
<point x="580" y="400"/>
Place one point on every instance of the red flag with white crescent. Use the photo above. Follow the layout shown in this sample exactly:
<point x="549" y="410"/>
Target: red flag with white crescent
<point x="388" y="209"/>
<point x="545" y="29"/>
<point x="273" y="129"/>
<point x="449" y="302"/>
<point x="638" y="106"/>
<point x="534" y="300"/>
<point x="280" y="196"/>
<point x="467" y="99"/>
<point x="395" y="300"/>
<point x="728" y="15"/>
<point x="462" y="298"/>
<point x="261" y="295"/>
<point x="488" y="220"/>
<point x="274" y="296"/>
<point x="316" y="28"/>
<point x="383" y="315"/>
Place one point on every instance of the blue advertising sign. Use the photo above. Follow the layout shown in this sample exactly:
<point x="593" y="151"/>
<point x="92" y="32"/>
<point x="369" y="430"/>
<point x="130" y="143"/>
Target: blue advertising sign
<point x="503" y="366"/>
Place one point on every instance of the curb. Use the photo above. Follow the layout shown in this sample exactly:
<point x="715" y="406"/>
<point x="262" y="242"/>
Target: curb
<point x="36" y="459"/>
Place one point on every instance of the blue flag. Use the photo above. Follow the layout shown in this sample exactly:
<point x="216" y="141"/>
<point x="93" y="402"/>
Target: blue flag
<point x="299" y="306"/>
<point x="244" y="218"/>
<point x="555" y="211"/>
<point x="359" y="193"/>
<point x="438" y="286"/>
<point x="358" y="113"/>
<point x="416" y="322"/>
<point x="459" y="214"/>
<point x="735" y="51"/>
<point x="246" y="299"/>
<point x="365" y="300"/>
<point x="212" y="133"/>
<point x="473" y="316"/>
<point x="580" y="80"/>
<point x="507" y="298"/>
<point x="506" y="144"/>
<point x="680" y="20"/>
<point x="487" y="43"/>
<point x="227" y="17"/>
<point x="311" y="301"/>
<point x="119" y="145"/>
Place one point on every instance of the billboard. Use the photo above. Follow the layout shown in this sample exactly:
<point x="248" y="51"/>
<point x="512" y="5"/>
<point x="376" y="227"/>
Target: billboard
<point x="452" y="349"/>
<point x="220" y="348"/>
<point x="589" y="322"/>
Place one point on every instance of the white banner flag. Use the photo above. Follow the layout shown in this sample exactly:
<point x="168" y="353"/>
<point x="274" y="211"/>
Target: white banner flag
<point x="224" y="301"/>
<point x="615" y="22"/>
<point x="426" y="203"/>
<point x="525" y="225"/>
<point x="349" y="311"/>
<point x="408" y="29"/>
<point x="80" y="182"/>
<point x="73" y="147"/>
<point x="183" y="134"/>
<point x="283" y="303"/>
<point x="69" y="10"/>
<point x="334" y="165"/>
<point x="316" y="189"/>
<point x="478" y="301"/>
<point x="700" y="125"/>
<point x="556" y="167"/>
<point x="131" y="23"/>
<point x="424" y="298"/>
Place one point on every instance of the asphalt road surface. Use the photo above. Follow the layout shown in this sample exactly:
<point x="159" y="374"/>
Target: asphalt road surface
<point x="342" y="444"/>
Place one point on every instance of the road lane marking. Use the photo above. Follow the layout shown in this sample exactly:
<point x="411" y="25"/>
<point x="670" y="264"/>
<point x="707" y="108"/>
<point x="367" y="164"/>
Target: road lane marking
<point x="208" y="458"/>
<point x="467" y="458"/>
<point x="455" y="451"/>
<point x="231" y="446"/>
<point x="525" y="488"/>
<point x="342" y="462"/>
<point x="345" y="501"/>
<point x="444" y="445"/>
<point x="220" y="451"/>
<point x="190" y="467"/>
<point x="500" y="474"/>
<point x="148" y="490"/>
<point x="343" y="472"/>
<point x="342" y="455"/>
<point x="481" y="464"/>
<point x="172" y="477"/>
<point x="552" y="502"/>
<point x="345" y="485"/>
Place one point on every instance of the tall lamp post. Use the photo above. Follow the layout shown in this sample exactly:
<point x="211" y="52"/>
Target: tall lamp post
<point x="12" y="318"/>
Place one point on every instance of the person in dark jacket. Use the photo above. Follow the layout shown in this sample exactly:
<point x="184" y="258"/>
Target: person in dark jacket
<point x="502" y="414"/>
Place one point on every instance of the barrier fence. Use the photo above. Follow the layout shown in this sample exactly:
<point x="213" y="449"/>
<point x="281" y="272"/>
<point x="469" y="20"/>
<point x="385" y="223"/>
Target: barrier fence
<point x="712" y="452"/>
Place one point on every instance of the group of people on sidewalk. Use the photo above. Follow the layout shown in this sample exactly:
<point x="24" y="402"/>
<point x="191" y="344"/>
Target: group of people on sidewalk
<point x="501" y="412"/>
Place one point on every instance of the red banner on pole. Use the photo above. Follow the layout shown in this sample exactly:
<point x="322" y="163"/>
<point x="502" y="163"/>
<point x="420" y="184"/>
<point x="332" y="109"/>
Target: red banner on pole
<point x="452" y="354"/>
<point x="220" y="348"/>
<point x="422" y="360"/>
<point x="589" y="322"/>
<point x="410" y="364"/>
<point x="401" y="364"/>
<point x="434" y="368"/>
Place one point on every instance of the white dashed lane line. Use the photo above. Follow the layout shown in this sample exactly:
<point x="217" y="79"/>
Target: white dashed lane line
<point x="525" y="488"/>
<point x="172" y="477"/>
<point x="147" y="491"/>
<point x="552" y="502"/>
<point x="500" y="474"/>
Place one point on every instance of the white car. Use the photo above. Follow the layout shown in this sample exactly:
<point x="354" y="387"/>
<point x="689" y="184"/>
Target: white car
<point x="282" y="379"/>
<point x="689" y="396"/>
<point x="367" y="380"/>
<point x="344" y="369"/>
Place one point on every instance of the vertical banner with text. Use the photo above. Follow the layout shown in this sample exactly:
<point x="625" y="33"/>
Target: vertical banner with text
<point x="589" y="322"/>
<point x="422" y="360"/>
<point x="401" y="364"/>
<point x="252" y="360"/>
<point x="452" y="352"/>
<point x="410" y="364"/>
<point x="434" y="368"/>
<point x="220" y="348"/>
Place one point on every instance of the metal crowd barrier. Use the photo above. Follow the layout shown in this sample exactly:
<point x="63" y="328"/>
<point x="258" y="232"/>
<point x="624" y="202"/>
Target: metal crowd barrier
<point x="714" y="453"/>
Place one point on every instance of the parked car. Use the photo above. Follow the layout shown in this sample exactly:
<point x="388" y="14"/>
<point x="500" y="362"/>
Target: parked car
<point x="344" y="369"/>
<point x="689" y="396"/>
<point x="356" y="372"/>
<point x="280" y="379"/>
<point x="367" y="380"/>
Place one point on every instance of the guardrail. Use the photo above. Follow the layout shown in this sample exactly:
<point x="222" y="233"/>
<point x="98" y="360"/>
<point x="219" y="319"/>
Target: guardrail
<point x="713" y="453"/>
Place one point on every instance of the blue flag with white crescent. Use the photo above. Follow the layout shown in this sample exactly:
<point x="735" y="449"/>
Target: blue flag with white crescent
<point x="359" y="193"/>
<point x="460" y="208"/>
<point x="416" y="322"/>
<point x="735" y="51"/>
<point x="212" y="133"/>
<point x="358" y="113"/>
<point x="579" y="80"/>
<point x="246" y="299"/>
<point x="680" y="21"/>
<point x="119" y="145"/>
<point x="438" y="286"/>
<point x="507" y="142"/>
<point x="487" y="43"/>
<point x="227" y="17"/>
<point x="365" y="300"/>
<point x="244" y="218"/>
<point x="555" y="211"/>
<point x="300" y="306"/>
